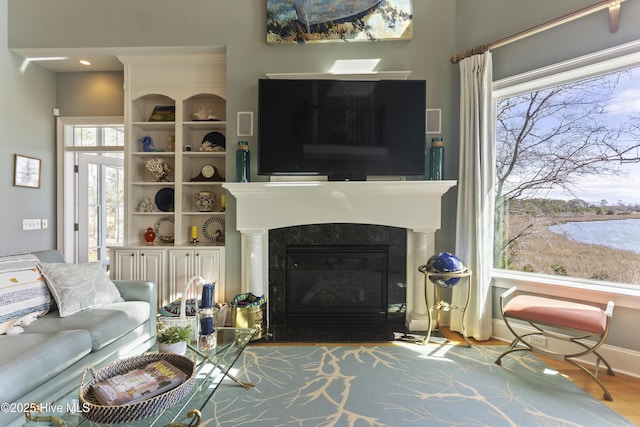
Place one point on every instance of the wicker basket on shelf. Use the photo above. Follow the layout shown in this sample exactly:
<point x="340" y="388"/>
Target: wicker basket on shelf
<point x="94" y="411"/>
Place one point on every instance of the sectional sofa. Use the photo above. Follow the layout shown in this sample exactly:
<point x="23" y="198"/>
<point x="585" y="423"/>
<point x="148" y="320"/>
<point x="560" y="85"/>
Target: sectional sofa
<point x="44" y="356"/>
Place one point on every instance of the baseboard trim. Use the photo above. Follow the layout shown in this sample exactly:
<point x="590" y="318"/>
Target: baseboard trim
<point x="622" y="360"/>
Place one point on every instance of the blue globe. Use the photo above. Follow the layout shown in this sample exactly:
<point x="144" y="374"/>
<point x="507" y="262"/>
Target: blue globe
<point x="444" y="262"/>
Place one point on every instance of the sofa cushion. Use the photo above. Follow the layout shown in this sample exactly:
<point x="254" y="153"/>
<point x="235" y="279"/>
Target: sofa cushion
<point x="76" y="287"/>
<point x="23" y="292"/>
<point x="105" y="324"/>
<point x="29" y="360"/>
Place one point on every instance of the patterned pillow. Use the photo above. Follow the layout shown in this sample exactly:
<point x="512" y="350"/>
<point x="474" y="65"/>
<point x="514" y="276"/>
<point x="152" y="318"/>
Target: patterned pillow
<point x="23" y="293"/>
<point x="173" y="309"/>
<point x="76" y="287"/>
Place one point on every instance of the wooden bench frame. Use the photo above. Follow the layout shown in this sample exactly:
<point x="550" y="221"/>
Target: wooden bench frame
<point x="574" y="334"/>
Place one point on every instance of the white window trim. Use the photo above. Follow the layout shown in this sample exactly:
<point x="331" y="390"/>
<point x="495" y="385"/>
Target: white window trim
<point x="64" y="176"/>
<point x="609" y="60"/>
<point x="574" y="288"/>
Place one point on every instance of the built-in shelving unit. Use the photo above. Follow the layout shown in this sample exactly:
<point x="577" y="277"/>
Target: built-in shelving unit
<point x="175" y="101"/>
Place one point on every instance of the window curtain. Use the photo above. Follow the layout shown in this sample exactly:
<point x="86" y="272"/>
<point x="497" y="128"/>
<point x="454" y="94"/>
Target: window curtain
<point x="474" y="228"/>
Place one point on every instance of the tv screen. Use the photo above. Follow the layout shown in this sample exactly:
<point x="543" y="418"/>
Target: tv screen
<point x="345" y="129"/>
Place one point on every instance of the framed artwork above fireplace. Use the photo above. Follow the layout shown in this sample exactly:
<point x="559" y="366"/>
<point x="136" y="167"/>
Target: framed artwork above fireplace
<point x="322" y="21"/>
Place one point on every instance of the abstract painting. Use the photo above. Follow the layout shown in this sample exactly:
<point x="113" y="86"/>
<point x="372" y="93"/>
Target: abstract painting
<point x="321" y="21"/>
<point x="26" y="171"/>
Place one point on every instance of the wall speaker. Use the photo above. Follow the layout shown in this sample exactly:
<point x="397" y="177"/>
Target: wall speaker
<point x="245" y="123"/>
<point x="434" y="120"/>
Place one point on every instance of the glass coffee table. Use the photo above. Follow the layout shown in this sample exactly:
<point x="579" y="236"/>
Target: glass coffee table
<point x="210" y="371"/>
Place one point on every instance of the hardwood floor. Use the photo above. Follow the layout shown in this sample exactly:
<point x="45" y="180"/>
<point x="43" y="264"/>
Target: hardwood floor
<point x="623" y="388"/>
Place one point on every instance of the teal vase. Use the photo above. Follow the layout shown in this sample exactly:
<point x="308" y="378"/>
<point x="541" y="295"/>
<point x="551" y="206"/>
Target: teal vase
<point x="436" y="160"/>
<point x="242" y="162"/>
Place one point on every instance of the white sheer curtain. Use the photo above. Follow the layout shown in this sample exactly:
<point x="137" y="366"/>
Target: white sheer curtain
<point x="474" y="229"/>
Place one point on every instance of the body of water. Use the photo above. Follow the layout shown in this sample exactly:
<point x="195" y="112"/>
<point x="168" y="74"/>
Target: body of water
<point x="618" y="234"/>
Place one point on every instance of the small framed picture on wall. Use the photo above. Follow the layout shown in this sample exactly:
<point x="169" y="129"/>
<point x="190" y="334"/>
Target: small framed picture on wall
<point x="26" y="171"/>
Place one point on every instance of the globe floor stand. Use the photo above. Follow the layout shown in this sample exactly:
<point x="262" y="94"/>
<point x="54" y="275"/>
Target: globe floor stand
<point x="441" y="305"/>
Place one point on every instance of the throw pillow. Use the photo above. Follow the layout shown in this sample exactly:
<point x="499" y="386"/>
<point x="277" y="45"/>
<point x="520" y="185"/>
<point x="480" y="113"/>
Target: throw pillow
<point x="23" y="293"/>
<point x="76" y="287"/>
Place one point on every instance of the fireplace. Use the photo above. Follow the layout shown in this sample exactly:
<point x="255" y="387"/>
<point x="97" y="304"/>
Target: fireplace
<point x="336" y="283"/>
<point x="264" y="207"/>
<point x="346" y="273"/>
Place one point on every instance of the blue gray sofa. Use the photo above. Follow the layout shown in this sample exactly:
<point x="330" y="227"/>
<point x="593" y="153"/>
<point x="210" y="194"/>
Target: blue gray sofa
<point x="47" y="360"/>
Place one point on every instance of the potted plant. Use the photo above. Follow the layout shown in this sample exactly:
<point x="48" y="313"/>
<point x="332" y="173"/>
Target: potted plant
<point x="174" y="339"/>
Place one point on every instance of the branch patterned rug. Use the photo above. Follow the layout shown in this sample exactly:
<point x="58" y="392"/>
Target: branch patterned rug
<point x="400" y="385"/>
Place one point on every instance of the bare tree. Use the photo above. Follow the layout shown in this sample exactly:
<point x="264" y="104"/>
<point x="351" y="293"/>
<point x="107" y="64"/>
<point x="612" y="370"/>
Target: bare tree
<point x="550" y="137"/>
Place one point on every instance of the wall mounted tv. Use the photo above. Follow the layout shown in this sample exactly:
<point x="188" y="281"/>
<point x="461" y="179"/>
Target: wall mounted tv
<point x="345" y="129"/>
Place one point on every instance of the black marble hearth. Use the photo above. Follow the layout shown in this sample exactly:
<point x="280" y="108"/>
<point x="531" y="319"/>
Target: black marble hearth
<point x="333" y="333"/>
<point x="339" y="327"/>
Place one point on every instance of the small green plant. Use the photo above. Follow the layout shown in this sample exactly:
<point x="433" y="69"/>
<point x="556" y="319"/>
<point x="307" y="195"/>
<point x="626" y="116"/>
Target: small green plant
<point x="528" y="268"/>
<point x="560" y="269"/>
<point x="175" y="334"/>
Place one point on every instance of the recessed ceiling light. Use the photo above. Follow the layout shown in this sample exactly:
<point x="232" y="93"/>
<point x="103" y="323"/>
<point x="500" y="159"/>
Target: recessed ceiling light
<point x="27" y="61"/>
<point x="48" y="58"/>
<point x="85" y="62"/>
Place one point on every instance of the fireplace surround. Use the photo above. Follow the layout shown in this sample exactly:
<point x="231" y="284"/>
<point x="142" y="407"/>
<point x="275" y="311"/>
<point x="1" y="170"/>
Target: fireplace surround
<point x="337" y="273"/>
<point x="412" y="205"/>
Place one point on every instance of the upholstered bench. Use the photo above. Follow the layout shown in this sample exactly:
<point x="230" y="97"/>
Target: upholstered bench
<point x="559" y="319"/>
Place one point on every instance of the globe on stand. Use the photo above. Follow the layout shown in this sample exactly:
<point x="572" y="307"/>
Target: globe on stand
<point x="444" y="262"/>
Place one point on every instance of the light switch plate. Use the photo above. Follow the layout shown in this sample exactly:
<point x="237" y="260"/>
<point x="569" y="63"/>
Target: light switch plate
<point x="31" y="224"/>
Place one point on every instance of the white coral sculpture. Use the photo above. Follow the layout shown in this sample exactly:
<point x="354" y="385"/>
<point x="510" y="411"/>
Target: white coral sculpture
<point x="159" y="169"/>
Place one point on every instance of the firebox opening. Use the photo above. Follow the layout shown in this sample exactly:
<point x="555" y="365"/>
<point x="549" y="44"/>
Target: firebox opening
<point x="336" y="282"/>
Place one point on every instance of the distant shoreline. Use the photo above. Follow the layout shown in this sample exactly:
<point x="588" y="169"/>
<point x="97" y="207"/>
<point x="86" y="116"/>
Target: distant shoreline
<point x="543" y="251"/>
<point x="593" y="217"/>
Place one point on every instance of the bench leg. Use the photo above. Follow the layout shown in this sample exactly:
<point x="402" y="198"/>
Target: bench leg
<point x="607" y="395"/>
<point x="525" y="346"/>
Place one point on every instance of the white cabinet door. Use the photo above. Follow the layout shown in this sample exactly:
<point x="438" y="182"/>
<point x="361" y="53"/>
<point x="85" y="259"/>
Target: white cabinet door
<point x="135" y="264"/>
<point x="186" y="263"/>
<point x="209" y="264"/>
<point x="151" y="268"/>
<point x="180" y="272"/>
<point x="125" y="264"/>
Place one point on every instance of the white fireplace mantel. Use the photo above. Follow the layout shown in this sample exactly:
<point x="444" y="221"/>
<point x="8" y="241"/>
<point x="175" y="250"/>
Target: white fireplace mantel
<point x="413" y="205"/>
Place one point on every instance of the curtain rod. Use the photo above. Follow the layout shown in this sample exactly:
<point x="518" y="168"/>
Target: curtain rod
<point x="614" y="17"/>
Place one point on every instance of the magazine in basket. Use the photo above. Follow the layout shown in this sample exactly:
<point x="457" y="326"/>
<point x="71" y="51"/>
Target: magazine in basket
<point x="139" y="384"/>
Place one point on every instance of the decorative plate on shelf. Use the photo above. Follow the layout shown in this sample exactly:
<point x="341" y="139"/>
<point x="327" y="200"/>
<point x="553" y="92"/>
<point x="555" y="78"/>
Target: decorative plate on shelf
<point x="213" y="229"/>
<point x="164" y="229"/>
<point x="165" y="199"/>
<point x="215" y="138"/>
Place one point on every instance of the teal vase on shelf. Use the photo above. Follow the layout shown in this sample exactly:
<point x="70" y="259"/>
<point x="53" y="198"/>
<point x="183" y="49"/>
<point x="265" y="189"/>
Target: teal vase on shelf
<point x="436" y="159"/>
<point x="242" y="162"/>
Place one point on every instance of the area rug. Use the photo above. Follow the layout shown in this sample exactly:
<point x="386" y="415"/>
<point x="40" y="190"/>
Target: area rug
<point x="400" y="385"/>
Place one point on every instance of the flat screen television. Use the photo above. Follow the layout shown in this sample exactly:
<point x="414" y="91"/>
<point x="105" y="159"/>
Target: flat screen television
<point x="345" y="129"/>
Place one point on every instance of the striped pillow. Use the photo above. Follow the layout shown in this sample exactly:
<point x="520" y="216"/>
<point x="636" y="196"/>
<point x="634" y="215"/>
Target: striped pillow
<point x="23" y="292"/>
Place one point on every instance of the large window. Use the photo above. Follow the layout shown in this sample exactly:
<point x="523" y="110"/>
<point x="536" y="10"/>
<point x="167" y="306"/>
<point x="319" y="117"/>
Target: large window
<point x="568" y="177"/>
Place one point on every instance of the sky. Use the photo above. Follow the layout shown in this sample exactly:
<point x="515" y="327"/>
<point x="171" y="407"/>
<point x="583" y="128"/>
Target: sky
<point x="625" y="188"/>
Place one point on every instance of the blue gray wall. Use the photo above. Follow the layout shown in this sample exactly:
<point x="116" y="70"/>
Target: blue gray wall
<point x="240" y="26"/>
<point x="27" y="127"/>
